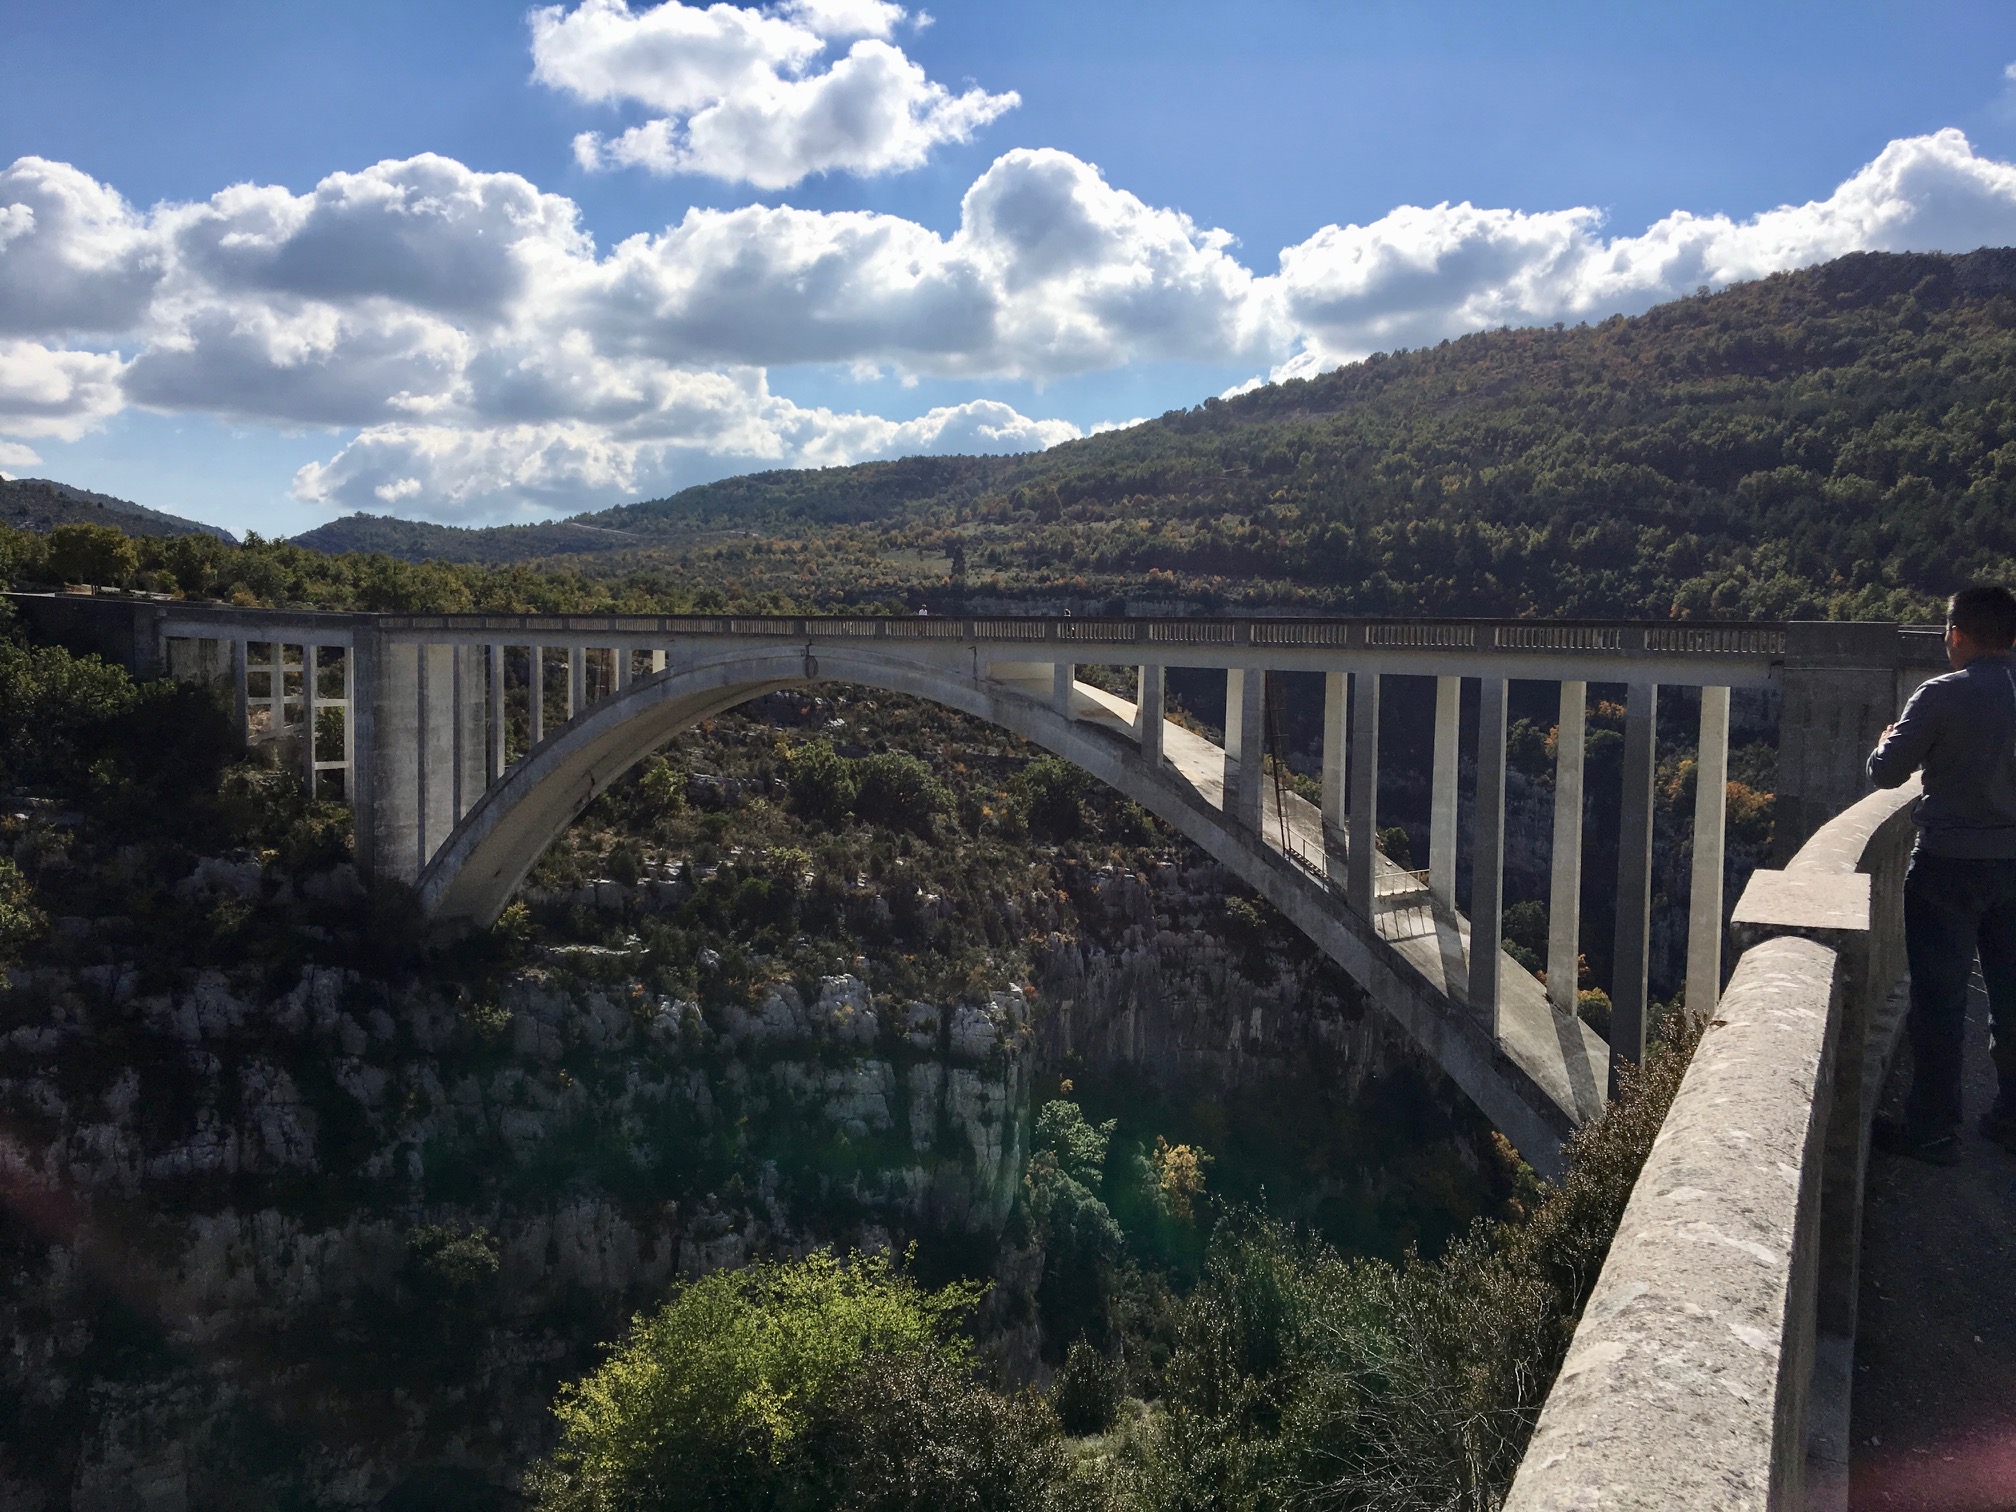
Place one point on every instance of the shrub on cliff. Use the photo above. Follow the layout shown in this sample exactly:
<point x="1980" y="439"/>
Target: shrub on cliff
<point x="810" y="1384"/>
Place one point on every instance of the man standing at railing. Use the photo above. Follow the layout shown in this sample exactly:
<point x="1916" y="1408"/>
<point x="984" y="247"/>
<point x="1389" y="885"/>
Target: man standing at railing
<point x="1960" y="891"/>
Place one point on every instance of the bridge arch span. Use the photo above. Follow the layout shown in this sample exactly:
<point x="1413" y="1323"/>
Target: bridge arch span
<point x="485" y="857"/>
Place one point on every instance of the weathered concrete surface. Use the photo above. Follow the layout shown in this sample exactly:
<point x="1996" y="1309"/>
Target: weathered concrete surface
<point x="1685" y="1383"/>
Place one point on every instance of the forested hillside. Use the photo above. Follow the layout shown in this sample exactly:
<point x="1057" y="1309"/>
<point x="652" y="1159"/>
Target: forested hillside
<point x="39" y="504"/>
<point x="1834" y="442"/>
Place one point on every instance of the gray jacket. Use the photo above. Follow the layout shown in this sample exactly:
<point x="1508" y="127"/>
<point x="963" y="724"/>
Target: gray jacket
<point x="1961" y="728"/>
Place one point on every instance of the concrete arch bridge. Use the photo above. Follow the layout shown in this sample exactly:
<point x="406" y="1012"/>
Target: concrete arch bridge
<point x="458" y="800"/>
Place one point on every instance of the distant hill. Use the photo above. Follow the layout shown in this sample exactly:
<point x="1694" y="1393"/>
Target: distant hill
<point x="814" y="497"/>
<point x="42" y="504"/>
<point x="1838" y="441"/>
<point x="418" y="541"/>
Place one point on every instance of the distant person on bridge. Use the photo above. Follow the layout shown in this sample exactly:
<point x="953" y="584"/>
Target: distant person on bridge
<point x="1960" y="891"/>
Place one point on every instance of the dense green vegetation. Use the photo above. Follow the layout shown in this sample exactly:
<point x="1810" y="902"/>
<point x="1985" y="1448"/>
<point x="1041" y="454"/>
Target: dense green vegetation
<point x="1288" y="1375"/>
<point x="1835" y="442"/>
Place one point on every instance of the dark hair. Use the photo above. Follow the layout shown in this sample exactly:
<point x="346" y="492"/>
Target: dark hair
<point x="1985" y="614"/>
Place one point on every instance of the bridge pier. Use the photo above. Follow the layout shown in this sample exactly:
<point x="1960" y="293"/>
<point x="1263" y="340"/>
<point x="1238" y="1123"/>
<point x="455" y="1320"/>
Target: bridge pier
<point x="1564" y="905"/>
<point x="1487" y="854"/>
<point x="1361" y="853"/>
<point x="1442" y="792"/>
<point x="1245" y="745"/>
<point x="1149" y="711"/>
<point x="1631" y="954"/>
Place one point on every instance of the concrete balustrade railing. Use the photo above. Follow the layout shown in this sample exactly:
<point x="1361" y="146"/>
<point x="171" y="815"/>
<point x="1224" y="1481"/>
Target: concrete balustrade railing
<point x="1711" y="1367"/>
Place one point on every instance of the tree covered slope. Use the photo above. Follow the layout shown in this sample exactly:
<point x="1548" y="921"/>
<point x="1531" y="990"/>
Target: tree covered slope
<point x="1837" y="441"/>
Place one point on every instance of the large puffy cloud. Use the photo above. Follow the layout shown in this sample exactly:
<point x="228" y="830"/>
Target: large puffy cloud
<point x="1418" y="275"/>
<point x="74" y="256"/>
<point x="703" y="429"/>
<point x="46" y="392"/>
<point x="1052" y="271"/>
<point x="738" y="93"/>
<point x="493" y="359"/>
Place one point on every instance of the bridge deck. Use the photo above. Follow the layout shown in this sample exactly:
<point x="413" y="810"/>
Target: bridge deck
<point x="1568" y="1060"/>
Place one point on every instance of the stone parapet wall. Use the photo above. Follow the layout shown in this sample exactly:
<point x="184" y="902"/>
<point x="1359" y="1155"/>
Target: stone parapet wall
<point x="1710" y="1368"/>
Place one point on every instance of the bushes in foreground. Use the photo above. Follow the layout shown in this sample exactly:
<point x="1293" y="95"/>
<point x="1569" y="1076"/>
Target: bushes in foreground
<point x="1300" y="1377"/>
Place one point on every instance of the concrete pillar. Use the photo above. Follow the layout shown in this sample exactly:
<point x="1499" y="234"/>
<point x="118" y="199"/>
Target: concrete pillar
<point x="437" y="747"/>
<point x="1564" y="902"/>
<point x="622" y="655"/>
<point x="1150" y="710"/>
<point x="472" y="722"/>
<point x="577" y="680"/>
<point x="1487" y="853"/>
<point x="276" y="690"/>
<point x="353" y="790"/>
<point x="1631" y="958"/>
<point x="1840" y="685"/>
<point x="390" y="746"/>
<point x="657" y="661"/>
<point x="1362" y="851"/>
<point x="1245" y="745"/>
<point x="493" y="672"/>
<point x="309" y="704"/>
<point x="241" y="695"/>
<point x="1704" y="908"/>
<point x="1063" y="675"/>
<point x="535" y="691"/>
<point x="1442" y="802"/>
<point x="1336" y="750"/>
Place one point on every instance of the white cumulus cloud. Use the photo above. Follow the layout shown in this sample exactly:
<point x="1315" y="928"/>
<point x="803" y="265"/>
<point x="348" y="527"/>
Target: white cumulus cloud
<point x="530" y="469"/>
<point x="739" y="92"/>
<point x="56" y="393"/>
<point x="1420" y="274"/>
<point x="489" y="358"/>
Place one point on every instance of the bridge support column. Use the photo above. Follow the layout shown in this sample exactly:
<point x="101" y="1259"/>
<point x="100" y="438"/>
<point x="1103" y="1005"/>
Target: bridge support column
<point x="1150" y="709"/>
<point x="1361" y="862"/>
<point x="493" y="657"/>
<point x="437" y="747"/>
<point x="1063" y="675"/>
<point x="622" y="654"/>
<point x="310" y="655"/>
<point x="1336" y="752"/>
<point x="1711" y="804"/>
<point x="577" y="680"/>
<point x="392" y="761"/>
<point x="1245" y="744"/>
<point x="1442" y="801"/>
<point x="1564" y="899"/>
<point x="657" y="661"/>
<point x="1487" y="855"/>
<point x="241" y="688"/>
<point x="535" y="692"/>
<point x="471" y="725"/>
<point x="1631" y="957"/>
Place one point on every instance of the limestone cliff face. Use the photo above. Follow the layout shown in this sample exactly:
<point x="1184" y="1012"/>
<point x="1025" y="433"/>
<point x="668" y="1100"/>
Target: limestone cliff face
<point x="221" y="1197"/>
<point x="313" y="1237"/>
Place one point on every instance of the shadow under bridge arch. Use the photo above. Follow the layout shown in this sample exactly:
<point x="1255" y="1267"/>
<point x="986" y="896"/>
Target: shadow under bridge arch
<point x="485" y="857"/>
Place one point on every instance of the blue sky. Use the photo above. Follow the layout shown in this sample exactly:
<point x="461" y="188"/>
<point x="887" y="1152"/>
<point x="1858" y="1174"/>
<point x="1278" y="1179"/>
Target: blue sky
<point x="267" y="357"/>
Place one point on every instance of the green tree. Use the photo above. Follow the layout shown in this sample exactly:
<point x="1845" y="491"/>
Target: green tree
<point x="820" y="781"/>
<point x="92" y="554"/>
<point x="719" y="1399"/>
<point x="897" y="791"/>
